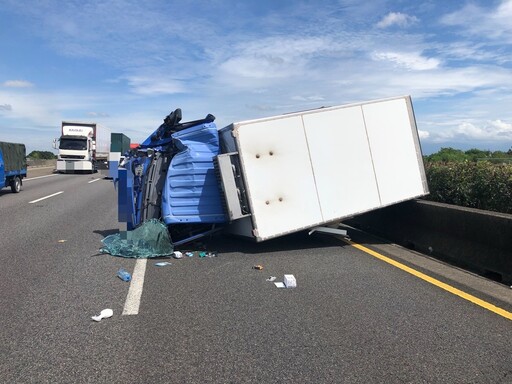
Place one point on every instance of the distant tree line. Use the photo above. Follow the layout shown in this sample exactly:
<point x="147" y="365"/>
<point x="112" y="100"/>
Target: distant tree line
<point x="42" y="155"/>
<point x="474" y="178"/>
<point x="447" y="155"/>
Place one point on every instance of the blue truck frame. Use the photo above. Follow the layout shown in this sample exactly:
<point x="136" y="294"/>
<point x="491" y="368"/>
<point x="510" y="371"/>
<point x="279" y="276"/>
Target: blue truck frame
<point x="13" y="166"/>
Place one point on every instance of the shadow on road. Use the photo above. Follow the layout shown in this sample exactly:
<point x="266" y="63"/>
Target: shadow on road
<point x="299" y="241"/>
<point x="106" y="232"/>
<point x="296" y="241"/>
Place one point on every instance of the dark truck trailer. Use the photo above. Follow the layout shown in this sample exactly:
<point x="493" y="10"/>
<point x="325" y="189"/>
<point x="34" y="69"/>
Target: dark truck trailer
<point x="119" y="146"/>
<point x="13" y="165"/>
<point x="119" y="143"/>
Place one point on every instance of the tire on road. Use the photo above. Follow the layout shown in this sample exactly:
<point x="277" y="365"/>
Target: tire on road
<point x="16" y="184"/>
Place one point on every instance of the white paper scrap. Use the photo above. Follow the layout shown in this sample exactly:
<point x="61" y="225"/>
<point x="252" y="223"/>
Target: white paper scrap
<point x="162" y="264"/>
<point x="289" y="281"/>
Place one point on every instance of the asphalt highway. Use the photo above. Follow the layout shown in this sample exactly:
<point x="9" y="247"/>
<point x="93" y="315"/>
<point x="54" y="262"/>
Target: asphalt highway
<point x="353" y="318"/>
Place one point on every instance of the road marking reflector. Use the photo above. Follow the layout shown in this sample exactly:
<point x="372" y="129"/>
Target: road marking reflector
<point x="431" y="280"/>
<point x="132" y="303"/>
<point x="46" y="197"/>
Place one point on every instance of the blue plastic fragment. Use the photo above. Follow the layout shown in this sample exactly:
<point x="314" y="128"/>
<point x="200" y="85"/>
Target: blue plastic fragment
<point x="124" y="274"/>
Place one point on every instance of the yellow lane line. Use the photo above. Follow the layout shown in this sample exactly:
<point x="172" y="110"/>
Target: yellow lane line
<point x="431" y="280"/>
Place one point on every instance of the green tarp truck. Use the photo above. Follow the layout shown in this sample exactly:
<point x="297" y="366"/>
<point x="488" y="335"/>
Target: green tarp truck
<point x="13" y="165"/>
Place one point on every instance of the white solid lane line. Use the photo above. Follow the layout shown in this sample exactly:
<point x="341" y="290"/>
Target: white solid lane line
<point x="92" y="181"/>
<point x="131" y="306"/>
<point x="38" y="177"/>
<point x="46" y="197"/>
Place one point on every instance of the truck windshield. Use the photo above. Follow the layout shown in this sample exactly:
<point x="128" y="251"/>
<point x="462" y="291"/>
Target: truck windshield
<point x="76" y="144"/>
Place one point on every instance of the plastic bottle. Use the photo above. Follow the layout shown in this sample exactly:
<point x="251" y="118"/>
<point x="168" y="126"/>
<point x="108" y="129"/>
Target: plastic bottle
<point x="124" y="275"/>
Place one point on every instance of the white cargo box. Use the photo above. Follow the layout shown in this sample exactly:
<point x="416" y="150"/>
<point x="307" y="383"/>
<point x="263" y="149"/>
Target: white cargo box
<point x="296" y="171"/>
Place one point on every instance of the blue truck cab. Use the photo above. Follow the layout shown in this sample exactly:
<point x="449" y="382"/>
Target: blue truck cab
<point x="171" y="176"/>
<point x="13" y="165"/>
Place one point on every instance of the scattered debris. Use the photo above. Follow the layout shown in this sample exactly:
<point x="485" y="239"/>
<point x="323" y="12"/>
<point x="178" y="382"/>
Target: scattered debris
<point x="162" y="264"/>
<point x="207" y="254"/>
<point x="124" y="274"/>
<point x="177" y="255"/>
<point x="189" y="254"/>
<point x="62" y="241"/>
<point x="105" y="314"/>
<point x="289" y="281"/>
<point x="259" y="267"/>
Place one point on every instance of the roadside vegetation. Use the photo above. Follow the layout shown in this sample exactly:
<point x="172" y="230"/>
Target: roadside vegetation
<point x="474" y="178"/>
<point x="42" y="155"/>
<point x="41" y="159"/>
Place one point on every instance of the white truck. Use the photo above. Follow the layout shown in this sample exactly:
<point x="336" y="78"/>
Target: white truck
<point x="83" y="147"/>
<point x="268" y="177"/>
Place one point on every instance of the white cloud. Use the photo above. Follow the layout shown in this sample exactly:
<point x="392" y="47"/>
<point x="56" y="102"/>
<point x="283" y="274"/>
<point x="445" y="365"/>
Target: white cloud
<point x="472" y="51"/>
<point x="17" y="84"/>
<point x="308" y="98"/>
<point x="484" y="131"/>
<point x="274" y="58"/>
<point x="397" y="18"/>
<point x="155" y="85"/>
<point x="240" y="66"/>
<point x="36" y="107"/>
<point x="482" y="22"/>
<point x="34" y="118"/>
<point x="98" y="114"/>
<point x="449" y="81"/>
<point x="423" y="134"/>
<point x="409" y="60"/>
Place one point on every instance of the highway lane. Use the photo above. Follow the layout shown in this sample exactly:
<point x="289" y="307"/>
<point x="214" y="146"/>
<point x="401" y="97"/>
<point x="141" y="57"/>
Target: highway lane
<point x="47" y="286"/>
<point x="352" y="318"/>
<point x="40" y="186"/>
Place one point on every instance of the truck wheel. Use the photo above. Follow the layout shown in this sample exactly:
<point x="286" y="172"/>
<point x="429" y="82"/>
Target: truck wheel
<point x="16" y="184"/>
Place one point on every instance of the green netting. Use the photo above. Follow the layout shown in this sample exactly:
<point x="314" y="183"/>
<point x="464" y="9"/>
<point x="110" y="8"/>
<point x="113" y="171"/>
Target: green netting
<point x="151" y="239"/>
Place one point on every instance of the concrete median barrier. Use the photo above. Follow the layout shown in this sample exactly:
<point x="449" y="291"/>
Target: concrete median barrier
<point x="474" y="239"/>
<point x="39" y="163"/>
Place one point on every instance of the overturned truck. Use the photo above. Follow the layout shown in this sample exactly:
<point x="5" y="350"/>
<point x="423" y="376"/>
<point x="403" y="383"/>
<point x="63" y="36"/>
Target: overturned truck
<point x="268" y="177"/>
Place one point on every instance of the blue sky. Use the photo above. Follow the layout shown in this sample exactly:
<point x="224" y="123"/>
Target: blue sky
<point x="127" y="64"/>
